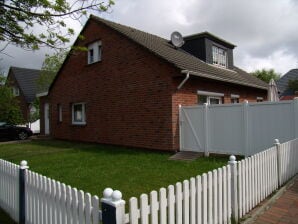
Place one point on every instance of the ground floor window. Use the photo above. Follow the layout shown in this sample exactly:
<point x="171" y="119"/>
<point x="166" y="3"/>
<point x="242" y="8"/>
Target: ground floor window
<point x="209" y="97"/>
<point x="235" y="98"/>
<point x="260" y="99"/>
<point x="79" y="113"/>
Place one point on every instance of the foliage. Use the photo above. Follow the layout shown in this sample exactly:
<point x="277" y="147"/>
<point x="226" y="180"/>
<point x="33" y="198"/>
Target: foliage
<point x="33" y="24"/>
<point x="50" y="67"/>
<point x="9" y="106"/>
<point x="93" y="167"/>
<point x="293" y="84"/>
<point x="266" y="75"/>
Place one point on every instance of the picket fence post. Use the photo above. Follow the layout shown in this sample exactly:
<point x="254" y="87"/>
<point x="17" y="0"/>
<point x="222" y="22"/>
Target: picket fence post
<point x="295" y="102"/>
<point x="234" y="188"/>
<point x="22" y="197"/>
<point x="278" y="154"/>
<point x="113" y="207"/>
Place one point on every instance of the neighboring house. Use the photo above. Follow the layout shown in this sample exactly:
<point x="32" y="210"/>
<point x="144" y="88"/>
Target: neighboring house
<point x="282" y="85"/>
<point x="126" y="89"/>
<point x="23" y="84"/>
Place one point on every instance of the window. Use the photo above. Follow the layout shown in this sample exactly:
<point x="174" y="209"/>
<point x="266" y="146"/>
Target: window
<point x="78" y="113"/>
<point x="94" y="52"/>
<point x="260" y="99"/>
<point x="219" y="56"/>
<point x="209" y="97"/>
<point x="59" y="109"/>
<point x="15" y="91"/>
<point x="235" y="98"/>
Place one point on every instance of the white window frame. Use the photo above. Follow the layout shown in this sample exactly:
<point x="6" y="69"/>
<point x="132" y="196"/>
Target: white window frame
<point x="15" y="91"/>
<point x="234" y="97"/>
<point x="260" y="99"/>
<point x="219" y="56"/>
<point x="211" y="95"/>
<point x="83" y="120"/>
<point x="60" y="118"/>
<point x="96" y="49"/>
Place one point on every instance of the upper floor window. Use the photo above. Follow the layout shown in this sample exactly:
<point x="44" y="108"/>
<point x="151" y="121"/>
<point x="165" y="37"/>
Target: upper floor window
<point x="219" y="56"/>
<point x="15" y="91"/>
<point x="94" y="52"/>
<point x="235" y="98"/>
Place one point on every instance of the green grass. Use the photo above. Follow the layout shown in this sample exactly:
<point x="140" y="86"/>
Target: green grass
<point x="93" y="167"/>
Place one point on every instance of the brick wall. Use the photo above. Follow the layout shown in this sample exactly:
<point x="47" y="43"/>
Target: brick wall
<point x="131" y="96"/>
<point x="127" y="94"/>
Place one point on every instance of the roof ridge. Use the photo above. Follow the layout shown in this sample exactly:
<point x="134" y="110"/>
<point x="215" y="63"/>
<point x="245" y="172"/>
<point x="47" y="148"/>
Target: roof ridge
<point x="163" y="49"/>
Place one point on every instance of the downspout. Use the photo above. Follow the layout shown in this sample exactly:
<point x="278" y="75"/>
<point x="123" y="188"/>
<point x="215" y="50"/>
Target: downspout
<point x="184" y="80"/>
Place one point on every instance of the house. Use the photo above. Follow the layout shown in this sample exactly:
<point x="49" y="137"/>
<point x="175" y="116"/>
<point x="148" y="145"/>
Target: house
<point x="127" y="88"/>
<point x="282" y="84"/>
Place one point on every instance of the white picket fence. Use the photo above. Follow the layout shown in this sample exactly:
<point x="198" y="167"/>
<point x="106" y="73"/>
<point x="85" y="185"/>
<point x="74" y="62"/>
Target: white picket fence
<point x="47" y="201"/>
<point x="9" y="188"/>
<point x="219" y="196"/>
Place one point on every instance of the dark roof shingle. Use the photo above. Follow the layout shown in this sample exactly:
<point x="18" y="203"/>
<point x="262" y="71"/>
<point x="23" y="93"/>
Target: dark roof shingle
<point x="26" y="79"/>
<point x="282" y="83"/>
<point x="183" y="60"/>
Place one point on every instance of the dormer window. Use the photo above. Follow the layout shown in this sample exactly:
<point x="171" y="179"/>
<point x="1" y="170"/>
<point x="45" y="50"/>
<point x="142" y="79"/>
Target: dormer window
<point x="94" y="52"/>
<point x="219" y="56"/>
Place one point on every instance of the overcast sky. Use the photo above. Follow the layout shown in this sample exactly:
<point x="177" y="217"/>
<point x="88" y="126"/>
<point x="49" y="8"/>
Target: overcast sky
<point x="265" y="32"/>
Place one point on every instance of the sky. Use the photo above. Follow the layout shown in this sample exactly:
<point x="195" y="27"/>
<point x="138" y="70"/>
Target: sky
<point x="265" y="32"/>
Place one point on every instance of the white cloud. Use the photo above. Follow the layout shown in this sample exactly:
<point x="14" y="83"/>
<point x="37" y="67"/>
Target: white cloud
<point x="280" y="60"/>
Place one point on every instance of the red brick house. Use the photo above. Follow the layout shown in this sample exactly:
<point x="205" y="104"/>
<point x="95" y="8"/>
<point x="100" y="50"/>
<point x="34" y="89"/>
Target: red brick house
<point x="24" y="87"/>
<point x="126" y="89"/>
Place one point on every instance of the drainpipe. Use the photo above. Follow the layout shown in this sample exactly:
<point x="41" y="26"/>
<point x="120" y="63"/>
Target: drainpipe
<point x="184" y="80"/>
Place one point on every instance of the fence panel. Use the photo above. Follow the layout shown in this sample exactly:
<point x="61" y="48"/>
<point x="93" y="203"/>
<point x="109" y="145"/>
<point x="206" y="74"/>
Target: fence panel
<point x="241" y="129"/>
<point x="9" y="188"/>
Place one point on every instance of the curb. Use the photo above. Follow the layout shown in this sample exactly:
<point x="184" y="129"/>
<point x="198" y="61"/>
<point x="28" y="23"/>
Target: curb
<point x="254" y="214"/>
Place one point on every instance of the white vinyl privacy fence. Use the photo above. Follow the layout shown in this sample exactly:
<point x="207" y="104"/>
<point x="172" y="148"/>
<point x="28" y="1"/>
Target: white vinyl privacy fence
<point x="219" y="196"/>
<point x="241" y="129"/>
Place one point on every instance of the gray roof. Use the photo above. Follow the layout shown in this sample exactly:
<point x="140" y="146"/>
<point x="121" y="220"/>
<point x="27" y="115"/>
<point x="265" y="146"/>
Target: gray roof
<point x="183" y="60"/>
<point x="282" y="83"/>
<point x="26" y="79"/>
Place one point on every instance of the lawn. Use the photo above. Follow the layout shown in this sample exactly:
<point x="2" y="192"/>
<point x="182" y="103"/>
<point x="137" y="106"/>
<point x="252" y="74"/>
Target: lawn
<point x="93" y="167"/>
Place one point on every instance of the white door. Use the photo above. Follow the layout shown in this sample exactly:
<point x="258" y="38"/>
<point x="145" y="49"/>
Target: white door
<point x="46" y="119"/>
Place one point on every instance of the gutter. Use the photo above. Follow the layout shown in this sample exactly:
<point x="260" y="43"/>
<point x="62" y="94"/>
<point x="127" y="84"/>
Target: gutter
<point x="185" y="79"/>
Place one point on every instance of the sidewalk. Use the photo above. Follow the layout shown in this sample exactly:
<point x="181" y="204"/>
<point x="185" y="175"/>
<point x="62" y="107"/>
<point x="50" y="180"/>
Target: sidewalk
<point x="282" y="208"/>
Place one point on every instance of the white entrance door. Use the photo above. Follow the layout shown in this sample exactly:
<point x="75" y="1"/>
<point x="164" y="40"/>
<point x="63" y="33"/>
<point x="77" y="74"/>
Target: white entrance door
<point x="46" y="119"/>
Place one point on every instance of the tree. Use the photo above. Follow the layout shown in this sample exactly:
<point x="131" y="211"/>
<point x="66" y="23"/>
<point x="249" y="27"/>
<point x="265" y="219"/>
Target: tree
<point x="49" y="70"/>
<point x="266" y="75"/>
<point x="33" y="24"/>
<point x="9" y="106"/>
<point x="293" y="85"/>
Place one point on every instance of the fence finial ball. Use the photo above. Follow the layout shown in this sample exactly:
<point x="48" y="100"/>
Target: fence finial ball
<point x="107" y="193"/>
<point x="232" y="158"/>
<point x="117" y="195"/>
<point x="24" y="163"/>
<point x="276" y="141"/>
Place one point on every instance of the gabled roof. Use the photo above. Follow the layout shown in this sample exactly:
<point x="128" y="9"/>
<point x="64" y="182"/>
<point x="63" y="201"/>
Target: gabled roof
<point x="183" y="60"/>
<point x="282" y="83"/>
<point x="26" y="79"/>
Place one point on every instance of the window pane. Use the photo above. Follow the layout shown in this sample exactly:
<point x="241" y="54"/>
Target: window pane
<point x="78" y="112"/>
<point x="214" y="100"/>
<point x="202" y="99"/>
<point x="91" y="56"/>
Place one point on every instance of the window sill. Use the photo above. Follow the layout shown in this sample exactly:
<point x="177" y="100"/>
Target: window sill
<point x="78" y="123"/>
<point x="96" y="62"/>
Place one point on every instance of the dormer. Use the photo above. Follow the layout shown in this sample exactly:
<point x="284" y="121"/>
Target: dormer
<point x="210" y="49"/>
